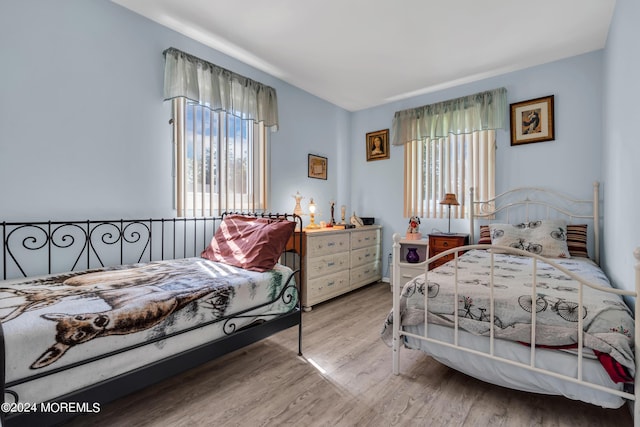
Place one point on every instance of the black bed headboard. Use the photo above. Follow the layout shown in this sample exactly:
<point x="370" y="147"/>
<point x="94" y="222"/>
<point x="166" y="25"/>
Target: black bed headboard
<point x="38" y="248"/>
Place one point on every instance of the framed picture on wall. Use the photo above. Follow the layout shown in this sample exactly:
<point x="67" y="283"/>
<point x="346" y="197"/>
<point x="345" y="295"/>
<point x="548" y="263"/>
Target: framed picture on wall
<point x="317" y="167"/>
<point x="378" y="145"/>
<point x="532" y="121"/>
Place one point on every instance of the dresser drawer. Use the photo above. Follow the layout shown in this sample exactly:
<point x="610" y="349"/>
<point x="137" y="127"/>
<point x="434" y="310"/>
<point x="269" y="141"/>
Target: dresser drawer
<point x="408" y="273"/>
<point x="364" y="256"/>
<point x="361" y="239"/>
<point x="326" y="287"/>
<point x="327" y="244"/>
<point x="441" y="242"/>
<point x="327" y="264"/>
<point x="365" y="274"/>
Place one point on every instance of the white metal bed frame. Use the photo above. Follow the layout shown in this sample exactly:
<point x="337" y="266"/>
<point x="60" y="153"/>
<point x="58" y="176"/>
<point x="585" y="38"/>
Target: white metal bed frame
<point x="532" y="197"/>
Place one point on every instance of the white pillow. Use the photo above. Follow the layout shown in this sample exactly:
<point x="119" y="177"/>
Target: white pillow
<point x="546" y="237"/>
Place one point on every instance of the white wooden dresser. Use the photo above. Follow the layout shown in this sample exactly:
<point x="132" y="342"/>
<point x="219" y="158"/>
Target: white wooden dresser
<point x="336" y="261"/>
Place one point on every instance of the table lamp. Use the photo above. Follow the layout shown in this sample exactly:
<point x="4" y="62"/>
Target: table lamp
<point x="312" y="215"/>
<point x="449" y="200"/>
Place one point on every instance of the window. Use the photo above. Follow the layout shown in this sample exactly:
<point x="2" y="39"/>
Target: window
<point x="220" y="153"/>
<point x="449" y="148"/>
<point x="452" y="164"/>
<point x="220" y="161"/>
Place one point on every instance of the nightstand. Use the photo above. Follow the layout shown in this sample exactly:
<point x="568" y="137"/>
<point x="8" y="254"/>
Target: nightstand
<point x="440" y="242"/>
<point x="410" y="270"/>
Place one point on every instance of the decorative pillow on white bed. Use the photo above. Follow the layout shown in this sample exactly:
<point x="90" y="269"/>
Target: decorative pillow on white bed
<point x="577" y="240"/>
<point x="546" y="237"/>
<point x="485" y="235"/>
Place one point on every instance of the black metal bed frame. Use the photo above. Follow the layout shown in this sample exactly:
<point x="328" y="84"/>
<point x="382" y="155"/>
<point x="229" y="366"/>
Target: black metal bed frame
<point x="38" y="248"/>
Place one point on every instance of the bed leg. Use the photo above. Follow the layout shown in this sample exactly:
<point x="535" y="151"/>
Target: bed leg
<point x="396" y="358"/>
<point x="2" y="374"/>
<point x="636" y="390"/>
<point x="300" y="334"/>
<point x="395" y="344"/>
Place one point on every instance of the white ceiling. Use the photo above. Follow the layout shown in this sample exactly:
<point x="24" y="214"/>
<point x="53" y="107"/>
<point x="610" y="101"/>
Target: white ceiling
<point x="362" y="53"/>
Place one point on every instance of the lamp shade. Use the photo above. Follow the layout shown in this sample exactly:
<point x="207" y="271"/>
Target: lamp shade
<point x="449" y="199"/>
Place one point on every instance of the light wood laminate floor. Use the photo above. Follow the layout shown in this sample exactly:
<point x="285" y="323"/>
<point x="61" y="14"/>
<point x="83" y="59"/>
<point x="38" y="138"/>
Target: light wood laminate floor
<point x="344" y="379"/>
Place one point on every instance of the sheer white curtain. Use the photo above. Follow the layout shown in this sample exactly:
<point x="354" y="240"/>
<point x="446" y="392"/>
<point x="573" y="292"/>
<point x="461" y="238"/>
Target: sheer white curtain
<point x="218" y="89"/>
<point x="449" y="148"/>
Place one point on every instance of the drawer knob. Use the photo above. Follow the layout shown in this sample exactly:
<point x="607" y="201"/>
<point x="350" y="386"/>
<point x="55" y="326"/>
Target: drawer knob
<point x="445" y="244"/>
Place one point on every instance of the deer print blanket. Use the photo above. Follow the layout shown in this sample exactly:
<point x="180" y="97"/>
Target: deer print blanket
<point x="608" y="323"/>
<point x="60" y="320"/>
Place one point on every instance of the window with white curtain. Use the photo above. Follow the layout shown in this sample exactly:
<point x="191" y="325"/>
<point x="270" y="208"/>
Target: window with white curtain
<point x="451" y="164"/>
<point x="449" y="148"/>
<point x="220" y="161"/>
<point x="219" y="132"/>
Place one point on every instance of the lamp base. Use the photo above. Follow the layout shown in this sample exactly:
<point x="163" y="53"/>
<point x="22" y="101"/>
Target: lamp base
<point x="312" y="226"/>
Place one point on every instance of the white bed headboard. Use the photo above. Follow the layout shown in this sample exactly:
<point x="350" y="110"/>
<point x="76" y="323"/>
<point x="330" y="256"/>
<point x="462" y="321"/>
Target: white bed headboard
<point x="524" y="204"/>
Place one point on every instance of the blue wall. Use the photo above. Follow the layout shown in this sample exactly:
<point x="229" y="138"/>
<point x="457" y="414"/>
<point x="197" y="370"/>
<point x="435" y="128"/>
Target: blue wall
<point x="85" y="133"/>
<point x="621" y="144"/>
<point x="570" y="163"/>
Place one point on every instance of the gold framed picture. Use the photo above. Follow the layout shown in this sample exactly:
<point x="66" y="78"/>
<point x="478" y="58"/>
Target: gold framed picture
<point x="532" y="121"/>
<point x="317" y="167"/>
<point x="378" y="145"/>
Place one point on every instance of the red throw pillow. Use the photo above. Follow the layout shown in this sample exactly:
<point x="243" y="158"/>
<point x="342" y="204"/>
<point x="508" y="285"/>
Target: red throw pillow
<point x="248" y="242"/>
<point x="485" y="235"/>
<point x="577" y="240"/>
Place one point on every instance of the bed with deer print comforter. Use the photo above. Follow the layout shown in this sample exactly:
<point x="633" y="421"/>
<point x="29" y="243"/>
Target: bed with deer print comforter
<point x="68" y="331"/>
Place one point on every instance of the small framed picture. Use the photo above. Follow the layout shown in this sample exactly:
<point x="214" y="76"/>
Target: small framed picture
<point x="378" y="145"/>
<point x="317" y="167"/>
<point x="532" y="121"/>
